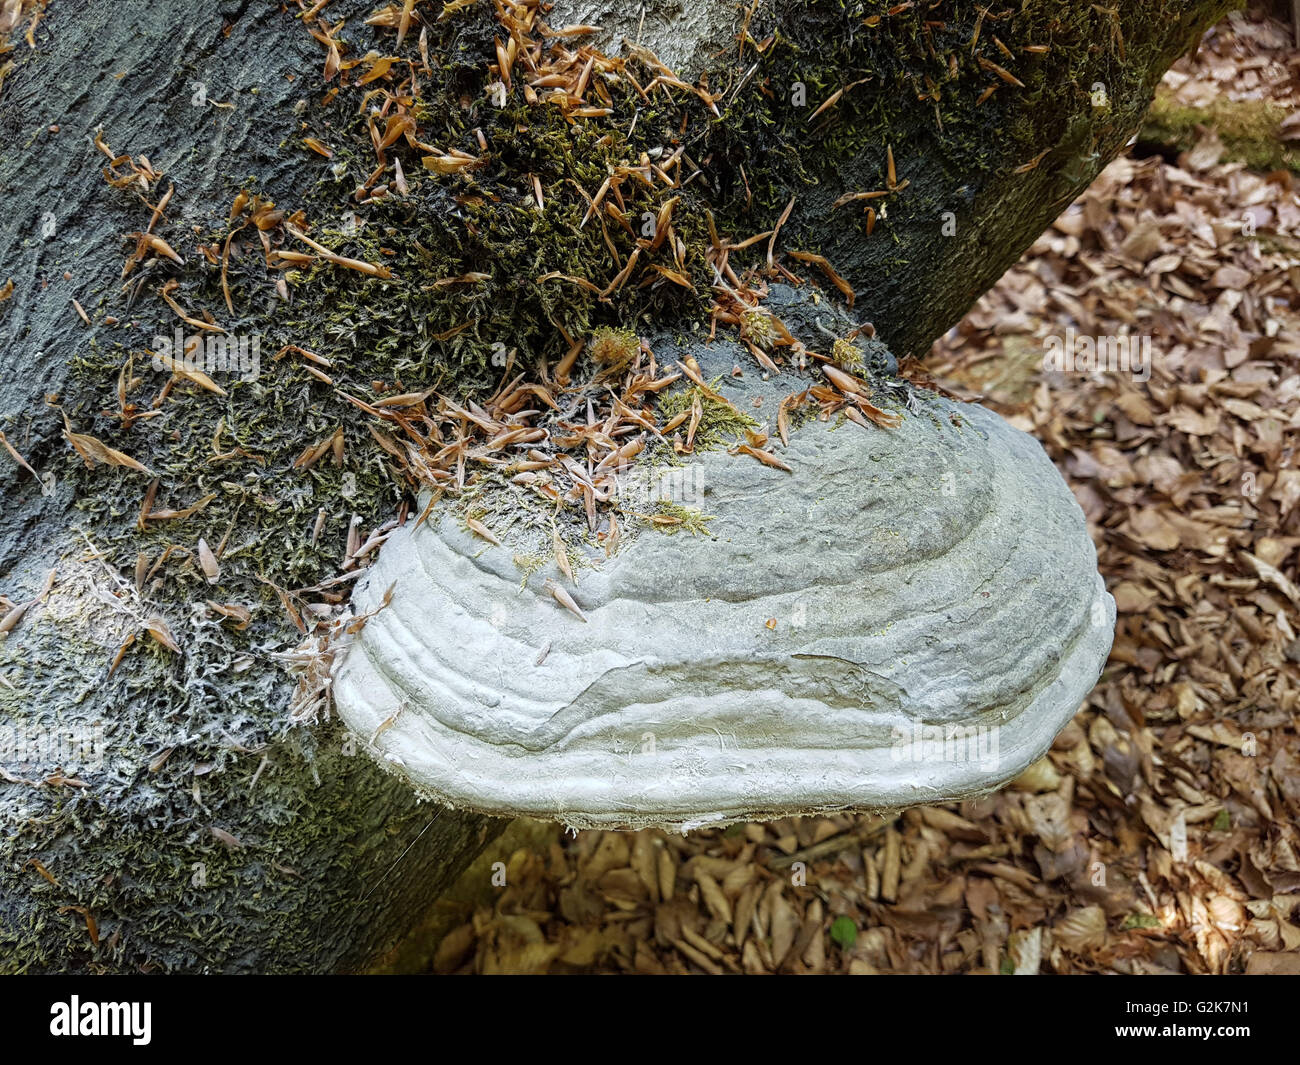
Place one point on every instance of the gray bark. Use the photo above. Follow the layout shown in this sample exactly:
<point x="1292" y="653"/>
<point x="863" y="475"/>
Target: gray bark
<point x="334" y="858"/>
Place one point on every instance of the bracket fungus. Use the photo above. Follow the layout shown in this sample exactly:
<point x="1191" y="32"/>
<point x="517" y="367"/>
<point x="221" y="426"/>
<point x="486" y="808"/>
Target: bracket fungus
<point x="911" y="616"/>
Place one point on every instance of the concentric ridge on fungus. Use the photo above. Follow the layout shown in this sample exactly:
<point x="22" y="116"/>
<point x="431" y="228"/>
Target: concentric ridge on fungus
<point x="911" y="618"/>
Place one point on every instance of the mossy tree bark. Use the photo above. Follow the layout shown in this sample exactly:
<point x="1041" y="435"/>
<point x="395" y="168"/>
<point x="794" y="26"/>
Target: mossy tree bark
<point x="252" y="847"/>
<point x="996" y="116"/>
<point x="165" y="800"/>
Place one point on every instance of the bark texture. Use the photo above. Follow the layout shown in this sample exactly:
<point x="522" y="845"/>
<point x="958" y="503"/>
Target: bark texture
<point x="996" y="118"/>
<point x="188" y="865"/>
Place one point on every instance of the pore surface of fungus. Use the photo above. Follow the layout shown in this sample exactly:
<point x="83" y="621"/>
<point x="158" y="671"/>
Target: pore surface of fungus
<point x="911" y="616"/>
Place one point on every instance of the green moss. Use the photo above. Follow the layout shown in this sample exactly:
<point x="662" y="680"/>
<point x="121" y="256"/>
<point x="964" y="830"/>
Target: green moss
<point x="683" y="519"/>
<point x="611" y="348"/>
<point x="916" y="81"/>
<point x="757" y="327"/>
<point x="1248" y="129"/>
<point x="721" y="424"/>
<point x="529" y="562"/>
<point x="848" y="355"/>
<point x="485" y="220"/>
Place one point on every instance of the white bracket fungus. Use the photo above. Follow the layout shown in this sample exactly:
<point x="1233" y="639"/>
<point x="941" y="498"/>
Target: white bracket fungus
<point x="910" y="617"/>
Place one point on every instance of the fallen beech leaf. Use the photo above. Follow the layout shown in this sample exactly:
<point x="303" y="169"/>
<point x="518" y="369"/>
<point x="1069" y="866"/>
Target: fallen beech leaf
<point x="96" y="451"/>
<point x="197" y="376"/>
<point x="157" y="628"/>
<point x="1151" y="527"/>
<point x="230" y="841"/>
<point x="240" y="615"/>
<point x="1193" y="423"/>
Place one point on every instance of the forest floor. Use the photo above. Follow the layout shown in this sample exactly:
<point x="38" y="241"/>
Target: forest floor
<point x="1162" y="832"/>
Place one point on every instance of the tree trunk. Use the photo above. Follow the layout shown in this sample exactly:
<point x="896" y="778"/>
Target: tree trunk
<point x="251" y="847"/>
<point x="996" y="119"/>
<point x="159" y="813"/>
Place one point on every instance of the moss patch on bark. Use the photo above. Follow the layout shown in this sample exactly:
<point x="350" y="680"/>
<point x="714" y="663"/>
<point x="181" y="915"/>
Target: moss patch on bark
<point x="1249" y="130"/>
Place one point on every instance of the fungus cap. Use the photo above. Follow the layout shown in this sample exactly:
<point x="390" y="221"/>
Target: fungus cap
<point x="911" y="617"/>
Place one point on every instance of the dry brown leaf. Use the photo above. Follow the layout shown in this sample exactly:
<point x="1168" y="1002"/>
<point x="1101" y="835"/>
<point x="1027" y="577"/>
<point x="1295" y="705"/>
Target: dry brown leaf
<point x="96" y="451"/>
